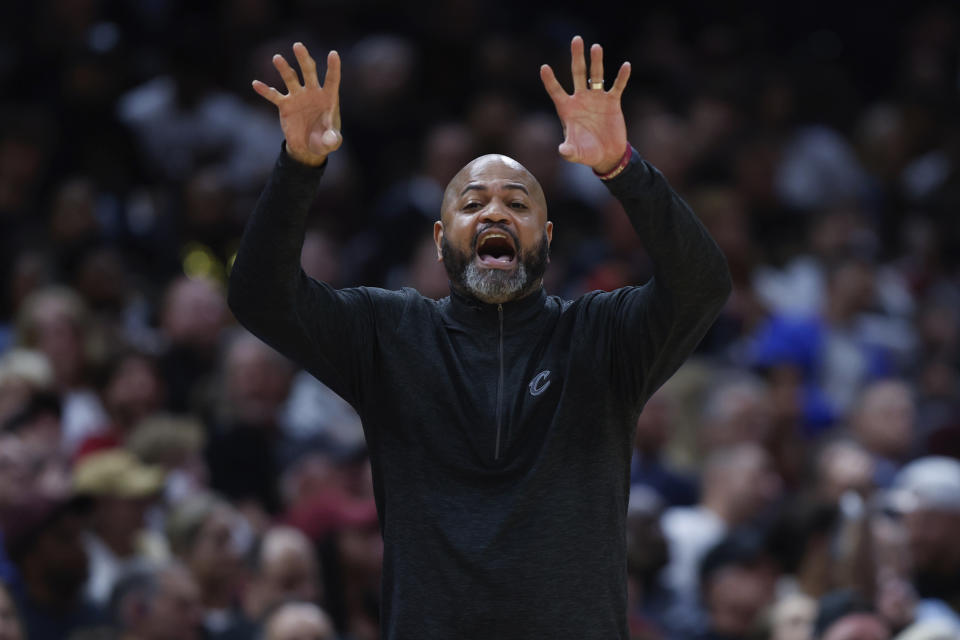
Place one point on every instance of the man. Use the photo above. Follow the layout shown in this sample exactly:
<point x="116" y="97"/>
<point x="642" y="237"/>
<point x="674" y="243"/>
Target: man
<point x="927" y="492"/>
<point x="209" y="537"/>
<point x="738" y="484"/>
<point x="298" y="621"/>
<point x="737" y="577"/>
<point x="160" y="603"/>
<point x="286" y="567"/>
<point x="45" y="541"/>
<point x="857" y="626"/>
<point x="121" y="489"/>
<point x="499" y="420"/>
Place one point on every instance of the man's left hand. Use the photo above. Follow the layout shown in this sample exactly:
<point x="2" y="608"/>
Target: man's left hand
<point x="594" y="130"/>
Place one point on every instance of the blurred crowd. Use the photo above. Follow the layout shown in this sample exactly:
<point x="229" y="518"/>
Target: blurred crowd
<point x="165" y="475"/>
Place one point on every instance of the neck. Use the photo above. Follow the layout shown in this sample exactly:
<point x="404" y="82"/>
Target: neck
<point x="520" y="311"/>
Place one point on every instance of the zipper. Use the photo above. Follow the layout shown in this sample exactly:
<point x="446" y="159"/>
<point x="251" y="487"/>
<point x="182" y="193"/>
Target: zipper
<point x="496" y="450"/>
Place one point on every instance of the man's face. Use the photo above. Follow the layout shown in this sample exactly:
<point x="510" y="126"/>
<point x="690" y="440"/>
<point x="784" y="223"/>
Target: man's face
<point x="736" y="596"/>
<point x="176" y="612"/>
<point x="58" y="558"/>
<point x="932" y="535"/>
<point x="494" y="235"/>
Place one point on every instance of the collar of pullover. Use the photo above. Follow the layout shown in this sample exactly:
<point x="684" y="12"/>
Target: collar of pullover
<point x="470" y="311"/>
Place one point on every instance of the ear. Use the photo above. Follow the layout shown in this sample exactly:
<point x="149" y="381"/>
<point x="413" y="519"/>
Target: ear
<point x="549" y="229"/>
<point x="438" y="239"/>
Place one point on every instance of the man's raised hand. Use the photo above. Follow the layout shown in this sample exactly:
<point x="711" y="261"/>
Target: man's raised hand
<point x="594" y="130"/>
<point x="309" y="113"/>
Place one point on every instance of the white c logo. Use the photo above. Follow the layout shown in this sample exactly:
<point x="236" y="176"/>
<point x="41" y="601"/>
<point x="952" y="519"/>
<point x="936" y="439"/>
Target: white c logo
<point x="539" y="383"/>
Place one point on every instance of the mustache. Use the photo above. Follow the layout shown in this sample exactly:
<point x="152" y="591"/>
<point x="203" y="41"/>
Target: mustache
<point x="499" y="227"/>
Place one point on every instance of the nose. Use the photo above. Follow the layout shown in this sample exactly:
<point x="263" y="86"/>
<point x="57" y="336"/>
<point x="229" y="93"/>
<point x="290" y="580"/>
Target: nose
<point x="495" y="211"/>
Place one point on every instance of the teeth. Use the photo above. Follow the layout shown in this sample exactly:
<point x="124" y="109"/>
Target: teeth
<point x="494" y="234"/>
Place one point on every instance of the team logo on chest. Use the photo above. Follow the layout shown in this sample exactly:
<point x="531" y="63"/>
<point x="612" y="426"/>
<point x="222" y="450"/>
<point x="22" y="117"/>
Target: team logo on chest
<point x="540" y="383"/>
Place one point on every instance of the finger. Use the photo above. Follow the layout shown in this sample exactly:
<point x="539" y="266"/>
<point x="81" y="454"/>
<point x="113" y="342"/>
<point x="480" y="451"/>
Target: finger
<point x="578" y="64"/>
<point x="596" y="63"/>
<point x="289" y="76"/>
<point x="550" y="83"/>
<point x="267" y="92"/>
<point x="567" y="151"/>
<point x="621" y="82"/>
<point x="308" y="67"/>
<point x="331" y="79"/>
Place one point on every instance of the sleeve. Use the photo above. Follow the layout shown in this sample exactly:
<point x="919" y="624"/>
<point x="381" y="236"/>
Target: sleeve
<point x="325" y="330"/>
<point x="646" y="332"/>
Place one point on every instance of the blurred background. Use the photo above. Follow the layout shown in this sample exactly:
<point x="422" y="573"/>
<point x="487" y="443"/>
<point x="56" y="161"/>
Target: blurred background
<point x="164" y="474"/>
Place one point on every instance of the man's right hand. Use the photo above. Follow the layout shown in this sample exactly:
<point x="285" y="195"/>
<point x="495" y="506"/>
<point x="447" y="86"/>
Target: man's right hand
<point x="309" y="113"/>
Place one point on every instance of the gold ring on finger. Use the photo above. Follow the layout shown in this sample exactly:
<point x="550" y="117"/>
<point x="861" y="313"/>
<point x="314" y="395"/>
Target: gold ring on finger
<point x="596" y="85"/>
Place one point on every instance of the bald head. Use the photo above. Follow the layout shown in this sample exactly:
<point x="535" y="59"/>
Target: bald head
<point x="493" y="236"/>
<point x="491" y="167"/>
<point x="282" y="543"/>
<point x="287" y="568"/>
<point x="299" y="621"/>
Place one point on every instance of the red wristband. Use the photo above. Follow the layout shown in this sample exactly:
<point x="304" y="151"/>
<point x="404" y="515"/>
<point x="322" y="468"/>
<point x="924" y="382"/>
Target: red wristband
<point x="617" y="170"/>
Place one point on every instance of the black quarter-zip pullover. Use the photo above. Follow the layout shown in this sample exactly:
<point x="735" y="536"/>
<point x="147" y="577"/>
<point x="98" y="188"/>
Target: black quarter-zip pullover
<point x="500" y="435"/>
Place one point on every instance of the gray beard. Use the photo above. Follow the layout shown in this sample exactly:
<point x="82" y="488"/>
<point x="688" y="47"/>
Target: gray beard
<point x="495" y="286"/>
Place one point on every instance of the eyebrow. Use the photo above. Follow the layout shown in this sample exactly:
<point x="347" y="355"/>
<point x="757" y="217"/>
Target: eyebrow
<point x="483" y="187"/>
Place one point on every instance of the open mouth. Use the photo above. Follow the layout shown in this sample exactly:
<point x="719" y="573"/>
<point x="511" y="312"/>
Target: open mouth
<point x="496" y="249"/>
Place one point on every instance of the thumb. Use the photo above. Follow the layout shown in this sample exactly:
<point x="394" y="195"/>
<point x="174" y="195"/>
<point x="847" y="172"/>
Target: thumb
<point x="567" y="150"/>
<point x="331" y="137"/>
<point x="325" y="142"/>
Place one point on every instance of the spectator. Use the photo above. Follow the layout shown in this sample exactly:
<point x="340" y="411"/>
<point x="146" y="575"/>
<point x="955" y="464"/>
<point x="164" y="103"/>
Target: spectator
<point x="792" y="617"/>
<point x="121" y="489"/>
<point x="130" y="390"/>
<point x="174" y="443"/>
<point x="298" y="621"/>
<point x="737" y="578"/>
<point x="646" y="557"/>
<point x="210" y="538"/>
<point x="842" y="466"/>
<point x="194" y="313"/>
<point x="247" y="441"/>
<point x="285" y="568"/>
<point x="840" y="604"/>
<point x="739" y="409"/>
<point x="738" y="485"/>
<point x="45" y="541"/>
<point x="831" y="352"/>
<point x="56" y="322"/>
<point x="884" y="423"/>
<point x="649" y="466"/>
<point x="161" y="603"/>
<point x="927" y="490"/>
<point x="23" y="374"/>
<point x="858" y="626"/>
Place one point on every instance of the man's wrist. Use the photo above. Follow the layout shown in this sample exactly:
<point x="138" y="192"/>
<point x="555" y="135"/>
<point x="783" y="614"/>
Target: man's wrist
<point x="618" y="168"/>
<point x="311" y="160"/>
